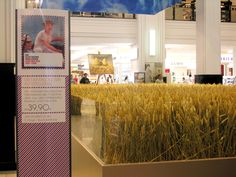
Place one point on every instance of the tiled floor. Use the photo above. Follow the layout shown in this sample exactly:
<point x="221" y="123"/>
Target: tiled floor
<point x="87" y="128"/>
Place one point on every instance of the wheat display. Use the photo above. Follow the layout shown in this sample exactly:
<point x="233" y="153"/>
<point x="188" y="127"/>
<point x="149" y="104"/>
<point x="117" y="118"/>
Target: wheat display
<point x="160" y="122"/>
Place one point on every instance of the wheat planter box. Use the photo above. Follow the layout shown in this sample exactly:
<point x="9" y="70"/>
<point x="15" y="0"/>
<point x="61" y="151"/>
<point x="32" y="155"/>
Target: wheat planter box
<point x="86" y="164"/>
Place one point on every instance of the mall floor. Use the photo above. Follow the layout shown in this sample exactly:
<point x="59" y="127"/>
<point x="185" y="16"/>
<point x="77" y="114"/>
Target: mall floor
<point x="8" y="174"/>
<point x="86" y="128"/>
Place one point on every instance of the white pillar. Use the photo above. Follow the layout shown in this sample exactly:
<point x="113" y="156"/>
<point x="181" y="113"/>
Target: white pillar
<point x="142" y="42"/>
<point x="208" y="36"/>
<point x="234" y="62"/>
<point x="3" y="31"/>
<point x="7" y="29"/>
<point x="148" y="24"/>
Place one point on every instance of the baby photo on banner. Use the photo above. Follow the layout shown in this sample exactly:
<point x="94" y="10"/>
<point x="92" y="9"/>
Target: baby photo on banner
<point x="43" y="41"/>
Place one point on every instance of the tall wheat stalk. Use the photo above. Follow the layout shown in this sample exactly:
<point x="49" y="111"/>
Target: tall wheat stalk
<point x="154" y="122"/>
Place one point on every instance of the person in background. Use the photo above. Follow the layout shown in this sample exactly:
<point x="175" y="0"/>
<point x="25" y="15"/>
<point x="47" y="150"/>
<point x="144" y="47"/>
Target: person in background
<point x="102" y="79"/>
<point x="109" y="79"/>
<point x="190" y="78"/>
<point x="184" y="80"/>
<point x="148" y="74"/>
<point x="126" y="80"/>
<point x="234" y="81"/>
<point x="85" y="79"/>
<point x="72" y="79"/>
<point x="159" y="78"/>
<point x="76" y="79"/>
<point x="27" y="44"/>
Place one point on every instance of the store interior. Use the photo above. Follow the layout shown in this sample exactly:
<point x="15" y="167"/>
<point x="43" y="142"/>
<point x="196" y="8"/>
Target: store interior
<point x="123" y="55"/>
<point x="105" y="113"/>
<point x="180" y="61"/>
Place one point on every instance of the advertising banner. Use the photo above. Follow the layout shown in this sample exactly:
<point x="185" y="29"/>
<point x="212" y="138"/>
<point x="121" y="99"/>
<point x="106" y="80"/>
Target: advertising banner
<point x="112" y="6"/>
<point x="152" y="69"/>
<point x="43" y="93"/>
<point x="100" y="64"/>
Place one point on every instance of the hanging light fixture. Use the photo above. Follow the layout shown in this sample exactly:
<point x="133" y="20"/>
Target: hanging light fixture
<point x="30" y="4"/>
<point x="152" y="42"/>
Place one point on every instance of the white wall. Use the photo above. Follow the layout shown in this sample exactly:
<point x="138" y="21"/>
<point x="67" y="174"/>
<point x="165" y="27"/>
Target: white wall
<point x="228" y="34"/>
<point x="180" y="32"/>
<point x="2" y="32"/>
<point x="7" y="29"/>
<point x="88" y="31"/>
<point x="92" y="31"/>
<point x="184" y="32"/>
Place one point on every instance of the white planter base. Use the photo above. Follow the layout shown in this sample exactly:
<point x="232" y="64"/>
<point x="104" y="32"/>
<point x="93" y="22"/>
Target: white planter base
<point x="86" y="164"/>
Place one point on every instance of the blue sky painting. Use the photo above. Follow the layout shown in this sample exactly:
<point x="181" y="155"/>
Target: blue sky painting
<point x="112" y="6"/>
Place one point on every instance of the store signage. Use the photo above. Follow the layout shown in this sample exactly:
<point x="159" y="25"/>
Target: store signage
<point x="226" y="58"/>
<point x="167" y="71"/>
<point x="177" y="63"/>
<point x="43" y="92"/>
<point x="100" y="64"/>
<point x="80" y="66"/>
<point x="112" y="6"/>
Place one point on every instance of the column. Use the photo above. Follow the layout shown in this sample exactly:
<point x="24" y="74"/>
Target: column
<point x="208" y="42"/>
<point x="7" y="29"/>
<point x="151" y="41"/>
<point x="234" y="61"/>
<point x="3" y="31"/>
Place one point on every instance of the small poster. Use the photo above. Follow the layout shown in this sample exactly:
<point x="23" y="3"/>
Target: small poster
<point x="42" y="41"/>
<point x="139" y="77"/>
<point x="100" y="64"/>
<point x="152" y="69"/>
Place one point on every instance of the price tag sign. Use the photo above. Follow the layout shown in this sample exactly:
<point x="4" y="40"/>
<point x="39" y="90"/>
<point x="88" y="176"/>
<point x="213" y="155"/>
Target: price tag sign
<point x="43" y="92"/>
<point x="44" y="99"/>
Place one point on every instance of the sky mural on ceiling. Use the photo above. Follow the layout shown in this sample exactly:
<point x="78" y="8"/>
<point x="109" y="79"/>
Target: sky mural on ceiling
<point x="111" y="6"/>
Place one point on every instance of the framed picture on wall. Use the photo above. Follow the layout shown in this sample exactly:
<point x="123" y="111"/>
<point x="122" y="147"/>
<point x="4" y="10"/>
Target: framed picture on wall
<point x="139" y="77"/>
<point x="152" y="69"/>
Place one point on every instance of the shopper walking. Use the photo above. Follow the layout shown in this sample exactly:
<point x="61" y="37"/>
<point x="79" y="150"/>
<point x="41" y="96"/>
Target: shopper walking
<point x="159" y="79"/>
